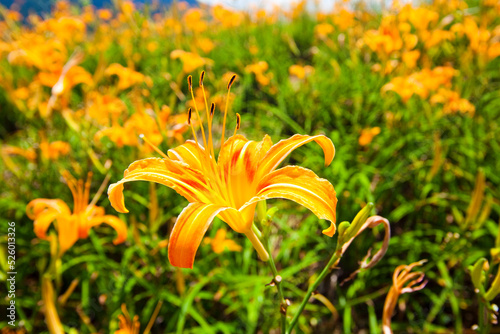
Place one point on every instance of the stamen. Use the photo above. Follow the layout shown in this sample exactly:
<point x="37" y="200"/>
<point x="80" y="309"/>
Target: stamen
<point x="100" y="190"/>
<point x="201" y="78"/>
<point x="212" y="109"/>
<point x="192" y="128"/>
<point x="231" y="81"/>
<point x="190" y="82"/>
<point x="210" y="148"/>
<point x="79" y="191"/>
<point x="86" y="194"/>
<point x="154" y="147"/>
<point x="70" y="181"/>
<point x="238" y="123"/>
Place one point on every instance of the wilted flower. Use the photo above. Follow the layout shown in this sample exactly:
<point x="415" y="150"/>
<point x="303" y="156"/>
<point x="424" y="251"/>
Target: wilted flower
<point x="404" y="281"/>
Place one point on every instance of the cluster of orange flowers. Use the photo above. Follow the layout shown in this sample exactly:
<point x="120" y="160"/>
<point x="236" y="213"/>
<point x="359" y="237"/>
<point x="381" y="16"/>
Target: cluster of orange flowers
<point x="435" y="83"/>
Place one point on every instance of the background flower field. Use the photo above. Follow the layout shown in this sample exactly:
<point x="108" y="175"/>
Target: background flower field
<point x="409" y="95"/>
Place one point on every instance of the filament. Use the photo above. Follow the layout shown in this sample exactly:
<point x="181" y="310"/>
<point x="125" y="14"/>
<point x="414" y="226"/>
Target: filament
<point x="154" y="147"/>
<point x="225" y="109"/>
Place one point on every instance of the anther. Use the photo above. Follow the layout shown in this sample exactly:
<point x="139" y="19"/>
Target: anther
<point x="201" y="78"/>
<point x="238" y="121"/>
<point x="231" y="81"/>
<point x="189" y="116"/>
<point x="212" y="109"/>
<point x="190" y="82"/>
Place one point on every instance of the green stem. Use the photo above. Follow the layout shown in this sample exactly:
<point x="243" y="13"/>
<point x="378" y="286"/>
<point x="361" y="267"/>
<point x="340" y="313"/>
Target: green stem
<point x="481" y="317"/>
<point x="333" y="261"/>
<point x="257" y="244"/>
<point x="277" y="281"/>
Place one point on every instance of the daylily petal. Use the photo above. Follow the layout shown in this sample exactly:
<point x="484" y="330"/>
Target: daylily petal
<point x="67" y="230"/>
<point x="42" y="222"/>
<point x="189" y="153"/>
<point x="188" y="232"/>
<point x="302" y="186"/>
<point x="174" y="174"/>
<point x="37" y="206"/>
<point x="116" y="223"/>
<point x="284" y="147"/>
<point x="238" y="160"/>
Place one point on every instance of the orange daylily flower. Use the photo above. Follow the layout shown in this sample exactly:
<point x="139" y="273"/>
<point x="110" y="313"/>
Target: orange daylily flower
<point x="28" y="153"/>
<point x="219" y="244"/>
<point x="404" y="281"/>
<point x="229" y="187"/>
<point x="126" y="76"/>
<point x="75" y="225"/>
<point x="421" y="83"/>
<point x="228" y="18"/>
<point x="53" y="150"/>
<point x="367" y="135"/>
<point x="452" y="102"/>
<point x="104" y="108"/>
<point x="322" y="30"/>
<point x="300" y="71"/>
<point x="190" y="61"/>
<point x="128" y="325"/>
<point x="104" y="14"/>
<point x="260" y="69"/>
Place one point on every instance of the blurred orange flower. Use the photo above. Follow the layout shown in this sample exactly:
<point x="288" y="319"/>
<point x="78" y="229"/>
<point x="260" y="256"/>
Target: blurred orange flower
<point x="219" y="244"/>
<point x="260" y="69"/>
<point x="75" y="225"/>
<point x="300" y="71"/>
<point x="367" y="135"/>
<point x="126" y="76"/>
<point x="452" y="103"/>
<point x="55" y="149"/>
<point x="322" y="30"/>
<point x="190" y="61"/>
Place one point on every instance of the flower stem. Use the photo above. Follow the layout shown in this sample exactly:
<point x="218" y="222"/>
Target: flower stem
<point x="257" y="244"/>
<point x="332" y="262"/>
<point x="277" y="281"/>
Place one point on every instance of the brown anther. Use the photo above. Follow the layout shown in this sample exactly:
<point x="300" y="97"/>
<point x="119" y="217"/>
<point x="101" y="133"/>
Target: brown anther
<point x="212" y="109"/>
<point x="189" y="116"/>
<point x="231" y="81"/>
<point x="190" y="82"/>
<point x="238" y="125"/>
<point x="283" y="309"/>
<point x="314" y="293"/>
<point x="201" y="78"/>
